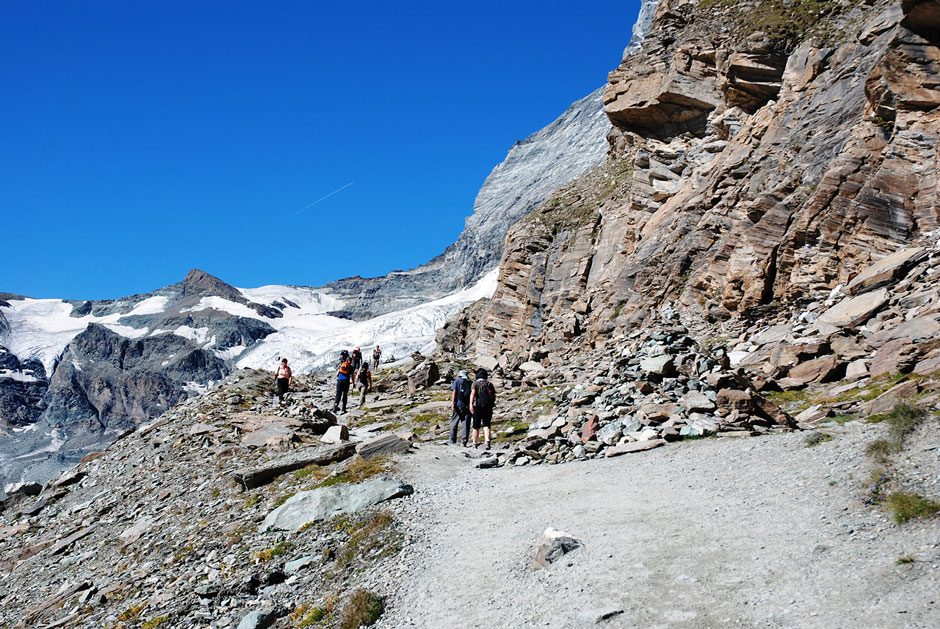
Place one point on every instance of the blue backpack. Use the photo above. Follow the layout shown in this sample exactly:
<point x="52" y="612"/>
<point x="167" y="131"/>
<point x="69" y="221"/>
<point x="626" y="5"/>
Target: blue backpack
<point x="462" y="387"/>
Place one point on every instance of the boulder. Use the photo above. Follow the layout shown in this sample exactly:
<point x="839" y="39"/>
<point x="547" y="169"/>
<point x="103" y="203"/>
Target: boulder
<point x="735" y="399"/>
<point x="825" y="369"/>
<point x="697" y="401"/>
<point x="385" y="445"/>
<point x="885" y="402"/>
<point x="325" y="502"/>
<point x="856" y="370"/>
<point x="659" y="365"/>
<point x="655" y="413"/>
<point x="636" y="446"/>
<point x="591" y="427"/>
<point x="28" y="489"/>
<point x="251" y="477"/>
<point x="609" y="434"/>
<point x="426" y="374"/>
<point x="886" y="270"/>
<point x="897" y="356"/>
<point x="531" y="367"/>
<point x="487" y="462"/>
<point x="490" y="363"/>
<point x="853" y="312"/>
<point x="554" y="545"/>
<point x="275" y="436"/>
<point x="917" y="329"/>
<point x="335" y="434"/>
<point x="259" y="619"/>
<point x="927" y="366"/>
<point x="295" y="566"/>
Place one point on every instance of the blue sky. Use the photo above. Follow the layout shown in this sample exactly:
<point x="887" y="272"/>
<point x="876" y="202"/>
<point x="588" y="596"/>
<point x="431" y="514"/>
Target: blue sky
<point x="139" y="140"/>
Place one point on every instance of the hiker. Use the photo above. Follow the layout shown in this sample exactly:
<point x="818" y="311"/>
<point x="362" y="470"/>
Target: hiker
<point x="343" y="378"/>
<point x="343" y="356"/>
<point x="460" y="347"/>
<point x="482" y="401"/>
<point x="460" y="405"/>
<point x="376" y="358"/>
<point x="356" y="360"/>
<point x="283" y="379"/>
<point x="363" y="382"/>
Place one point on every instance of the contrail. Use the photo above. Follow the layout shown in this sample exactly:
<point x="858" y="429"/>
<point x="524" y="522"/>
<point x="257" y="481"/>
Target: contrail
<point x="305" y="208"/>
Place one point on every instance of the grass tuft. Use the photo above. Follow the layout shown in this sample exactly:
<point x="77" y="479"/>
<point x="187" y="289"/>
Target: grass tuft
<point x="907" y="506"/>
<point x="359" y="470"/>
<point x="363" y="609"/>
<point x="281" y="548"/>
<point x="312" y="615"/>
<point x="369" y="534"/>
<point x="813" y="439"/>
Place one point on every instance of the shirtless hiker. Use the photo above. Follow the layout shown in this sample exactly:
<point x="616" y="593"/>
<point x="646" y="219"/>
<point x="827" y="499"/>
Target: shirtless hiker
<point x="283" y="378"/>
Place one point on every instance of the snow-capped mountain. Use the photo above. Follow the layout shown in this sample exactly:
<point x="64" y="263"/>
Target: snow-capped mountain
<point x="116" y="364"/>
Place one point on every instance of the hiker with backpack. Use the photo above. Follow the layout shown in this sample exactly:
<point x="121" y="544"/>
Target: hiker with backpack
<point x="343" y="356"/>
<point x="460" y="405"/>
<point x="376" y="358"/>
<point x="283" y="379"/>
<point x="356" y="360"/>
<point x="363" y="382"/>
<point x="343" y="378"/>
<point x="482" y="402"/>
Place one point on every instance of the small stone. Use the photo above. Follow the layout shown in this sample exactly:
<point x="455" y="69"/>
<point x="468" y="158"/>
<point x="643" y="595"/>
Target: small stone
<point x="554" y="545"/>
<point x="293" y="567"/>
<point x="335" y="434"/>
<point x="597" y="615"/>
<point x="259" y="619"/>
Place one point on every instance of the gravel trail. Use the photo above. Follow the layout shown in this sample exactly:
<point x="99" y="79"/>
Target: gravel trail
<point x="759" y="532"/>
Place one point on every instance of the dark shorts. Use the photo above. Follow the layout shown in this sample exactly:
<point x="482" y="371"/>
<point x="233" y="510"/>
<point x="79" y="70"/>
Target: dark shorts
<point x="482" y="418"/>
<point x="282" y="385"/>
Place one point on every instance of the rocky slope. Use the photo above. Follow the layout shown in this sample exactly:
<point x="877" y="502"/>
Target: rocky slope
<point x="762" y="154"/>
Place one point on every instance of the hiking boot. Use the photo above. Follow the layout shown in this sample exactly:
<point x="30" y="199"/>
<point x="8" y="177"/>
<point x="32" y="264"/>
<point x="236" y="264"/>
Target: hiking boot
<point x="476" y="445"/>
<point x="465" y="444"/>
<point x="486" y="446"/>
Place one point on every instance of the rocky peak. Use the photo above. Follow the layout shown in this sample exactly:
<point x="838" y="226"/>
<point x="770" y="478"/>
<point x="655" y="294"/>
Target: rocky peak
<point x="201" y="284"/>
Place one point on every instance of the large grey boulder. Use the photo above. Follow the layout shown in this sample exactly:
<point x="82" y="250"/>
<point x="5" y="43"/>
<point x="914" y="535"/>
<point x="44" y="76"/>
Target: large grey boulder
<point x="850" y="313"/>
<point x="889" y="268"/>
<point x="319" y="504"/>
<point x="660" y="365"/>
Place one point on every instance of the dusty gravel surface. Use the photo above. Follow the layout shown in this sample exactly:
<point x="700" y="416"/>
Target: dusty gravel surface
<point x="759" y="532"/>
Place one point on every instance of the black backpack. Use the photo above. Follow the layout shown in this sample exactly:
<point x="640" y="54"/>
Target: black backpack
<point x="486" y="396"/>
<point x="463" y="391"/>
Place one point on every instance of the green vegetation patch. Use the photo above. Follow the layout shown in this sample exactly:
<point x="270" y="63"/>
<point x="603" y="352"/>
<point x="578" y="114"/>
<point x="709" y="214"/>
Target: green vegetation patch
<point x="902" y="421"/>
<point x="359" y="470"/>
<point x="813" y="439"/>
<point x="362" y="610"/>
<point x="279" y="549"/>
<point x="907" y="506"/>
<point x="787" y="21"/>
<point x="370" y="534"/>
<point x="309" y="615"/>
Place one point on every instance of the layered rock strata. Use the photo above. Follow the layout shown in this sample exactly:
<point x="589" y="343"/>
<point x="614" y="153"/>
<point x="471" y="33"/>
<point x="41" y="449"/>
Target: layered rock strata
<point x="762" y="155"/>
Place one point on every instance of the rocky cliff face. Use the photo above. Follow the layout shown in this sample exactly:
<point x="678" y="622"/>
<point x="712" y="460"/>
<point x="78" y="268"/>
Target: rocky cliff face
<point x="534" y="168"/>
<point x="763" y="152"/>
